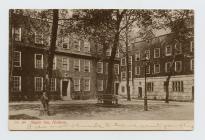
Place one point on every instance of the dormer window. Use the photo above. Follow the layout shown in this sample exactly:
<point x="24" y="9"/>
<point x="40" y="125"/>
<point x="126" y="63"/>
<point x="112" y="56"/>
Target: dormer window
<point x="38" y="38"/>
<point x="17" y="33"/>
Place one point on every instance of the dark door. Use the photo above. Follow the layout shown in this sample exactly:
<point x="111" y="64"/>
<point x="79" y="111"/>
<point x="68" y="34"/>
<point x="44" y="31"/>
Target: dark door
<point x="192" y="93"/>
<point x="116" y="88"/>
<point x="140" y="92"/>
<point x="64" y="88"/>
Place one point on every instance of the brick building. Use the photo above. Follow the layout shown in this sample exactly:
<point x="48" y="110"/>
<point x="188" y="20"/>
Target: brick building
<point x="78" y="73"/>
<point x="160" y="53"/>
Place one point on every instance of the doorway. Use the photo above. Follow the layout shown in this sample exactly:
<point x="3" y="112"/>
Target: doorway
<point x="116" y="88"/>
<point x="192" y="93"/>
<point x="140" y="92"/>
<point x="65" y="89"/>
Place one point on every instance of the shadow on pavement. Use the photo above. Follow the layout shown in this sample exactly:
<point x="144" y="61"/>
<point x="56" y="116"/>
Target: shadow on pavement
<point x="22" y="117"/>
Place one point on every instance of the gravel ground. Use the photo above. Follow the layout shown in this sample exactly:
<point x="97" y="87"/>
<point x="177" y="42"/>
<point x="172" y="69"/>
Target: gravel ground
<point x="88" y="110"/>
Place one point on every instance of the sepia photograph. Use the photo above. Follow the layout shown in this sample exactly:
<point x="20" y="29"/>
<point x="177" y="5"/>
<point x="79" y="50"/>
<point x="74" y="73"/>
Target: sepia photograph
<point x="101" y="69"/>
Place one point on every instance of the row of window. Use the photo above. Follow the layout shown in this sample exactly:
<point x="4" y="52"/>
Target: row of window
<point x="38" y="83"/>
<point x="109" y="50"/>
<point x="77" y="84"/>
<point x="177" y="68"/>
<point x="65" y="44"/>
<point x="168" y="52"/>
<point x="38" y="62"/>
<point x="64" y="41"/>
<point x="177" y="86"/>
<point x="100" y="68"/>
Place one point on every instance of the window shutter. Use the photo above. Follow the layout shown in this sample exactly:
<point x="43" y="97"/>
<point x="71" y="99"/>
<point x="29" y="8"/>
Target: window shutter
<point x="42" y="61"/>
<point x="34" y="60"/>
<point x="19" y="83"/>
<point x="19" y="34"/>
<point x="68" y="64"/>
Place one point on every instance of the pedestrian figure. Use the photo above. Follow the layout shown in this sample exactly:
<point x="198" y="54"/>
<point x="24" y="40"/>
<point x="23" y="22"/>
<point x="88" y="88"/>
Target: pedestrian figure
<point x="45" y="104"/>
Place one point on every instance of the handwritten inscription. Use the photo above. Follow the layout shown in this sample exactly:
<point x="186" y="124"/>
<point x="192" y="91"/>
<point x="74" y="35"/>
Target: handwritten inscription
<point x="99" y="125"/>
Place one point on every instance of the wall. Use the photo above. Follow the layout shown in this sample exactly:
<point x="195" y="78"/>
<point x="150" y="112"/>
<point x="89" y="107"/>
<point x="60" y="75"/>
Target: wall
<point x="159" y="92"/>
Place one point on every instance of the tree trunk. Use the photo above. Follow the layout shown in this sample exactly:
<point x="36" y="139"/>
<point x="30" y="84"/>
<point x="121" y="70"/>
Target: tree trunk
<point x="108" y="96"/>
<point x="127" y="78"/>
<point x="171" y="72"/>
<point x="167" y="89"/>
<point x="52" y="50"/>
<point x="127" y="61"/>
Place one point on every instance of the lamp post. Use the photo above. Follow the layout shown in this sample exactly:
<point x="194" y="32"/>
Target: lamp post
<point x="145" y="94"/>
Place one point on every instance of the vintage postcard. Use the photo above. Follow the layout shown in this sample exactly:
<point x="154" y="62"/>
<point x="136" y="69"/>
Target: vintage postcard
<point x="101" y="69"/>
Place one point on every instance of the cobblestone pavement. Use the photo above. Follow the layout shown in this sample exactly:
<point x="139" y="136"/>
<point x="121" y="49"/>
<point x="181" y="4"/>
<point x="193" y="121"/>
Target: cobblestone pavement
<point x="88" y="110"/>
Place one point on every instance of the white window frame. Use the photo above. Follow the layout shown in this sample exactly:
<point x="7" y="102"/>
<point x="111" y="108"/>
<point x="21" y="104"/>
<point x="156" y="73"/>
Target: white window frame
<point x="54" y="63"/>
<point x="180" y="47"/>
<point x="155" y="68"/>
<point x="167" y="69"/>
<point x="101" y="65"/>
<point x="86" y="66"/>
<point x="19" y="82"/>
<point x="67" y="41"/>
<point x="35" y="39"/>
<point x="125" y="75"/>
<point x="75" y="63"/>
<point x="166" y="50"/>
<point x="79" y="44"/>
<point x="175" y="66"/>
<point x="19" y="59"/>
<point x="137" y="56"/>
<point x="124" y="58"/>
<point x="148" y="68"/>
<point x="156" y="49"/>
<point x="192" y="64"/>
<point x="88" y="84"/>
<point x="67" y="63"/>
<point x="147" y="53"/>
<point x="108" y="51"/>
<point x="118" y="68"/>
<point x="100" y="88"/>
<point x="86" y="46"/>
<point x="78" y="84"/>
<point x="35" y="80"/>
<point x="191" y="46"/>
<point x="14" y="30"/>
<point x="41" y="61"/>
<point x="150" y="86"/>
<point x="137" y="69"/>
<point x="51" y="88"/>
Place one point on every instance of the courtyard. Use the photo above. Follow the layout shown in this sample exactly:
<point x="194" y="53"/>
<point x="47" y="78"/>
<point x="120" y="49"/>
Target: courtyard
<point x="89" y="110"/>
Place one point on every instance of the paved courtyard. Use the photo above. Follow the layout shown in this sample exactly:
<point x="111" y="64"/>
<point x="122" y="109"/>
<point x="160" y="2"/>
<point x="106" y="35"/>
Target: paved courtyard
<point x="87" y="109"/>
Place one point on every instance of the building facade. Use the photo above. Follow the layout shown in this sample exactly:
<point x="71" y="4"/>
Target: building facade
<point x="160" y="52"/>
<point x="77" y="71"/>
